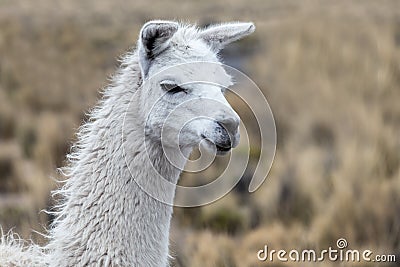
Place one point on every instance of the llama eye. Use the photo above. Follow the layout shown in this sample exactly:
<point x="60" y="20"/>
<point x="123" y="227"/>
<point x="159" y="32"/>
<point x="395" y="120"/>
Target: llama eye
<point x="172" y="88"/>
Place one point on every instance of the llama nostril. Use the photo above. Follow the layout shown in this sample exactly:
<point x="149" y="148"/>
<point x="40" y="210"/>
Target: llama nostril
<point x="231" y="124"/>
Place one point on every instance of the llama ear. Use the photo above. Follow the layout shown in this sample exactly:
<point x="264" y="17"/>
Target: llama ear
<point x="218" y="36"/>
<point x="154" y="38"/>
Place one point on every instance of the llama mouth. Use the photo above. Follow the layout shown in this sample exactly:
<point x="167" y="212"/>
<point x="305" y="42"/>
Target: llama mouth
<point x="222" y="149"/>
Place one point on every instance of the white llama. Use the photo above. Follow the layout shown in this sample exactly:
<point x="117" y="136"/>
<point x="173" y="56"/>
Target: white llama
<point x="105" y="218"/>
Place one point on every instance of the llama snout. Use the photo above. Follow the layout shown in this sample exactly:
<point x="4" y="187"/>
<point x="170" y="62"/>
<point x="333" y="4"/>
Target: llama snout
<point x="228" y="132"/>
<point x="224" y="136"/>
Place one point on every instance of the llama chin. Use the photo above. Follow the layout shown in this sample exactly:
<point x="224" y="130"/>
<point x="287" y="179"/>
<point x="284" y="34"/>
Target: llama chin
<point x="104" y="217"/>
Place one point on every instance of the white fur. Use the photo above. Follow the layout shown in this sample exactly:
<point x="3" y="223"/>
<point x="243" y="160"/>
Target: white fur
<point x="104" y="218"/>
<point x="17" y="252"/>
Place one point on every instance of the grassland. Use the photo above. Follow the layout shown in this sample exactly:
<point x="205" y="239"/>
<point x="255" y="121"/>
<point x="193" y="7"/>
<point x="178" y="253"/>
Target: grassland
<point x="330" y="71"/>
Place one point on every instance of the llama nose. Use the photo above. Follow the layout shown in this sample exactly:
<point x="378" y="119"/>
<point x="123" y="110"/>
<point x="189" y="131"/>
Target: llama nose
<point x="231" y="124"/>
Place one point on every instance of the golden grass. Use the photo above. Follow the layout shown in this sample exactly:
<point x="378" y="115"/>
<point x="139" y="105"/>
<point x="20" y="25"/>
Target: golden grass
<point x="330" y="71"/>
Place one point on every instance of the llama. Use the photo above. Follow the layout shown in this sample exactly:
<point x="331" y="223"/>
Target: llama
<point x="104" y="218"/>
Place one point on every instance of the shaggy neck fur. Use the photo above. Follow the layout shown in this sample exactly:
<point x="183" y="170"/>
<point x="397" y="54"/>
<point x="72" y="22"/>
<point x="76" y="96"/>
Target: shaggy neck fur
<point x="105" y="218"/>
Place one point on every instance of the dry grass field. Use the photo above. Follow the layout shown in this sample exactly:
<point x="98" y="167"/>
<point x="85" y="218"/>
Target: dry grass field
<point x="329" y="69"/>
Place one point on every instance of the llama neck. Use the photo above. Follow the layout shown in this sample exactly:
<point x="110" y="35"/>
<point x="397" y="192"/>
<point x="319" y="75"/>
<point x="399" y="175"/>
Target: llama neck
<point x="106" y="217"/>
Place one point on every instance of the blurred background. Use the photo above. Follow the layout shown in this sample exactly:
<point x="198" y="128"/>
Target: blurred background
<point x="329" y="69"/>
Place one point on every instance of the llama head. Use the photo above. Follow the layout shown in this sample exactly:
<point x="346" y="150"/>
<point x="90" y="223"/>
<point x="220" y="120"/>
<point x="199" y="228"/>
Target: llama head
<point x="182" y="97"/>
